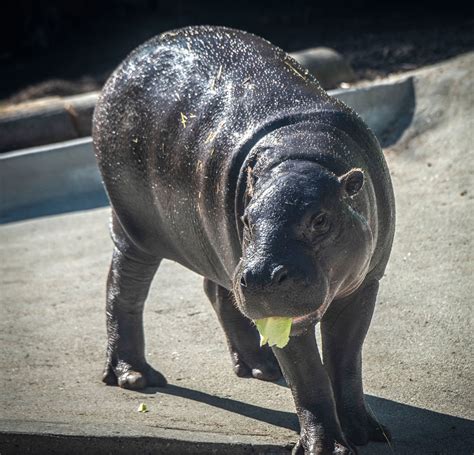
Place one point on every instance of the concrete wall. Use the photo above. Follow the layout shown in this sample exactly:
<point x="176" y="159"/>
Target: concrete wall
<point x="64" y="176"/>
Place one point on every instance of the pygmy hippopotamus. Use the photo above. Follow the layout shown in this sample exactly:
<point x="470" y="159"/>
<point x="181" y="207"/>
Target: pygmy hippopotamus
<point x="220" y="152"/>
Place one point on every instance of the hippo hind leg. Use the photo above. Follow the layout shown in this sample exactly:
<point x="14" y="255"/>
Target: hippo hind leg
<point x="129" y="280"/>
<point x="343" y="330"/>
<point x="248" y="358"/>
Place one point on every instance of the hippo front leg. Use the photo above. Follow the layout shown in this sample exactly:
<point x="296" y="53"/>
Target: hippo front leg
<point x="343" y="330"/>
<point x="243" y="340"/>
<point x="321" y="432"/>
<point x="128" y="283"/>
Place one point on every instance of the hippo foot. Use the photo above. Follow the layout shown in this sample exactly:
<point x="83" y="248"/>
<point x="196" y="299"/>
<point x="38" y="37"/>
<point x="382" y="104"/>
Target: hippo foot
<point x="302" y="448"/>
<point x="133" y="378"/>
<point x="259" y="363"/>
<point x="362" y="430"/>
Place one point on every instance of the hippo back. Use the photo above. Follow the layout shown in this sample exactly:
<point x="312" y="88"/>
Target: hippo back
<point x="175" y="125"/>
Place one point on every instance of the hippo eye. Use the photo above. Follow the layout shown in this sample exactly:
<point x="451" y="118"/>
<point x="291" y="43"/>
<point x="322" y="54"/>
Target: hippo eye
<point x="319" y="223"/>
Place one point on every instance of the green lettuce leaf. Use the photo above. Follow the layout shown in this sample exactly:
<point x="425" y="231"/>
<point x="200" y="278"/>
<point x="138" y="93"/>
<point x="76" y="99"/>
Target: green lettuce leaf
<point x="142" y="408"/>
<point x="275" y="331"/>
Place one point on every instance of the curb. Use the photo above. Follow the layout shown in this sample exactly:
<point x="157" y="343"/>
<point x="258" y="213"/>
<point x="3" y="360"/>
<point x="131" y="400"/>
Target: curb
<point x="46" y="121"/>
<point x="49" y="179"/>
<point x="77" y="444"/>
<point x="387" y="108"/>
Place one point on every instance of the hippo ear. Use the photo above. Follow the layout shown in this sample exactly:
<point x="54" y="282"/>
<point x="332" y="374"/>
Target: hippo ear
<point x="352" y="181"/>
<point x="251" y="179"/>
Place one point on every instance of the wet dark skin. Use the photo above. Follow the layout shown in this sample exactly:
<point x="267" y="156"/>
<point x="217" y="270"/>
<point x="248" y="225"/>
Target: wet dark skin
<point x="218" y="151"/>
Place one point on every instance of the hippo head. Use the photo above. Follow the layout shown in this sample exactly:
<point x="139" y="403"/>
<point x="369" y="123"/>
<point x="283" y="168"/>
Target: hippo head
<point x="303" y="244"/>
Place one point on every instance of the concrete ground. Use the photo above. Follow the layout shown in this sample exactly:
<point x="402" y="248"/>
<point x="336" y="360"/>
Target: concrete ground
<point x="418" y="356"/>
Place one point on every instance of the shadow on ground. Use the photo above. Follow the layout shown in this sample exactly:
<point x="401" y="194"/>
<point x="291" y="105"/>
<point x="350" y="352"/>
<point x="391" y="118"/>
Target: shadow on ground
<point x="56" y="206"/>
<point x="414" y="430"/>
<point x="278" y="418"/>
<point x="420" y="431"/>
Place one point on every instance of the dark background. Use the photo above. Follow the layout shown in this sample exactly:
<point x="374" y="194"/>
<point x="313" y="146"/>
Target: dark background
<point x="80" y="42"/>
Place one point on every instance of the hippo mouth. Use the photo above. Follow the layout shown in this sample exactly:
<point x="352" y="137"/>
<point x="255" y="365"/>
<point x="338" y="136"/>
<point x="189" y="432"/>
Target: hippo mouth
<point x="301" y="324"/>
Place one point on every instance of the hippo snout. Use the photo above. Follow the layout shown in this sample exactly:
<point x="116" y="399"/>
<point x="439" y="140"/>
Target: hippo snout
<point x="252" y="279"/>
<point x="277" y="289"/>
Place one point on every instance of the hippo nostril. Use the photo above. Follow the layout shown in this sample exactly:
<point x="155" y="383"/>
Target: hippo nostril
<point x="279" y="274"/>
